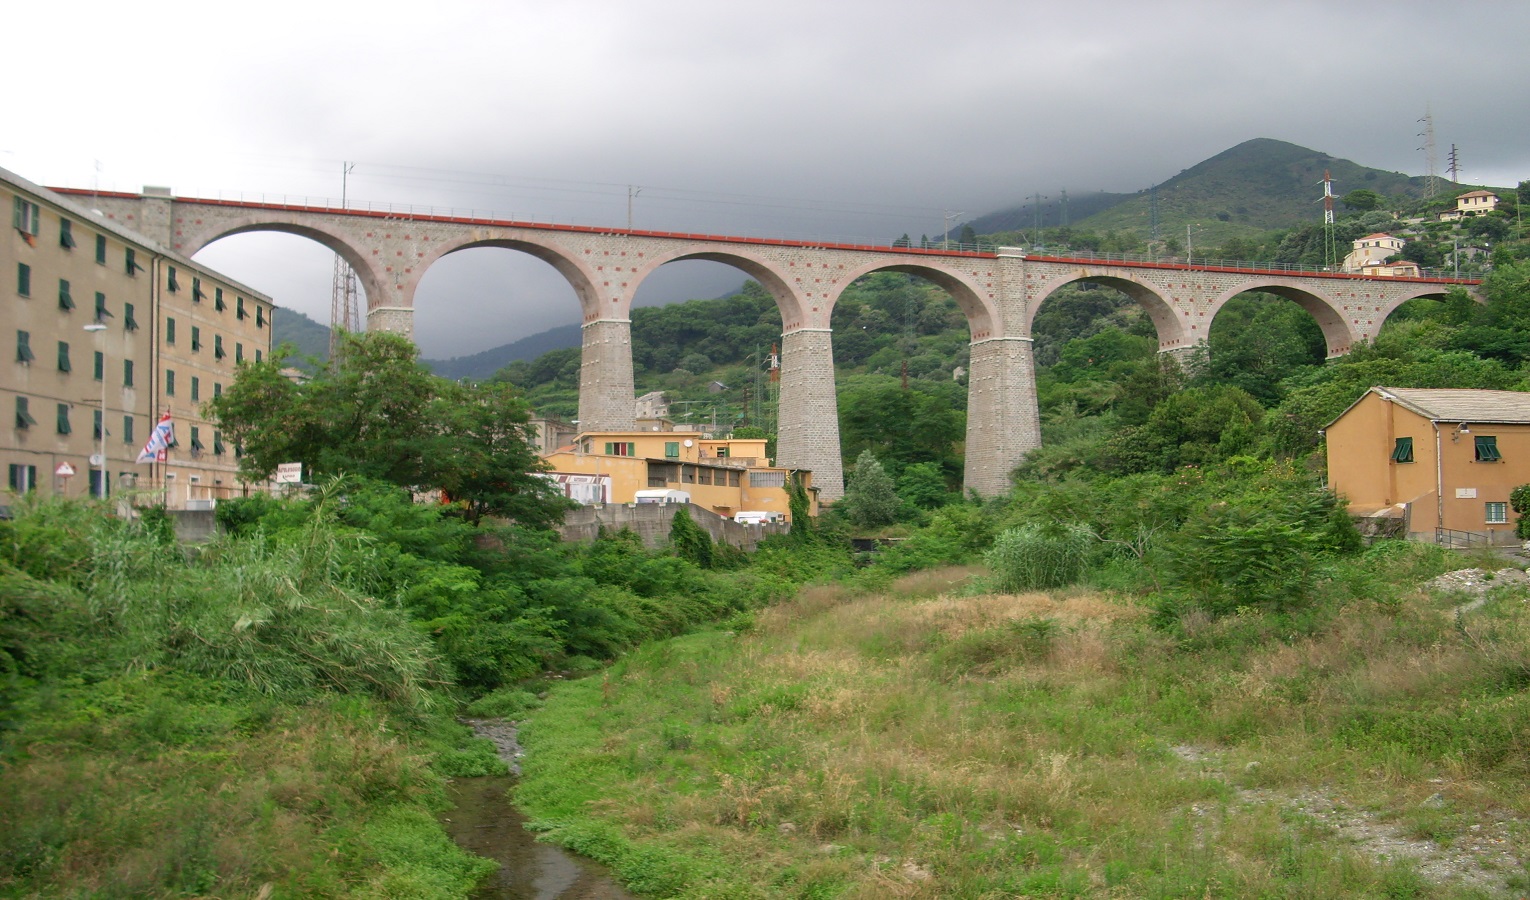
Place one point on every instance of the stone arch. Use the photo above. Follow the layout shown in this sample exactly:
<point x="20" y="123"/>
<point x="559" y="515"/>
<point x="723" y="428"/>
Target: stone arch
<point x="561" y="259"/>
<point x="1172" y="334"/>
<point x="982" y="315"/>
<point x="1337" y="333"/>
<point x="1417" y="291"/>
<point x="770" y="278"/>
<point x="336" y="241"/>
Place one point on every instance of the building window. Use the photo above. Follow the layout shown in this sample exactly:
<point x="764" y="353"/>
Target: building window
<point x="196" y="389"/>
<point x="1497" y="513"/>
<point x="238" y="353"/>
<point x="66" y="234"/>
<point x="97" y="483"/>
<point x="620" y="448"/>
<point x="62" y="423"/>
<point x="218" y="346"/>
<point x="196" y="441"/>
<point x="128" y="322"/>
<point x="671" y="449"/>
<point x="767" y="479"/>
<point x="99" y="372"/>
<point x="171" y="284"/>
<point x="1487" y="449"/>
<point x="260" y="316"/>
<point x="24" y="279"/>
<point x="240" y="305"/>
<point x="101" y="311"/>
<point x="63" y="356"/>
<point x="217" y="389"/>
<point x="169" y="382"/>
<point x="169" y="330"/>
<point x="65" y="299"/>
<point x="722" y="452"/>
<point x="218" y="303"/>
<point x="27" y="217"/>
<point x="218" y="443"/>
<point x="257" y="354"/>
<point x="130" y="262"/>
<point x="95" y="424"/>
<point x="127" y="429"/>
<point x="24" y="414"/>
<point x="127" y="373"/>
<point x="24" y="347"/>
<point x="23" y="478"/>
<point x="196" y="338"/>
<point x="101" y="249"/>
<point x="196" y="290"/>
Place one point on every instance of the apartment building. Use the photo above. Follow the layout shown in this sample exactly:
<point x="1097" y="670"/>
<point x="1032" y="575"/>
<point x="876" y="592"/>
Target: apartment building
<point x="111" y="332"/>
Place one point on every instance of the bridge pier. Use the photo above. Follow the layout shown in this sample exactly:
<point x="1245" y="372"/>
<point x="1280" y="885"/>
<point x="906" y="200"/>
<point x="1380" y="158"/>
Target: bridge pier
<point x="807" y="433"/>
<point x="396" y="319"/>
<point x="606" y="387"/>
<point x="1003" y="421"/>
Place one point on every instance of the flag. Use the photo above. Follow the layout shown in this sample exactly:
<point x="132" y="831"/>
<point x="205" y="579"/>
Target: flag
<point x="159" y="441"/>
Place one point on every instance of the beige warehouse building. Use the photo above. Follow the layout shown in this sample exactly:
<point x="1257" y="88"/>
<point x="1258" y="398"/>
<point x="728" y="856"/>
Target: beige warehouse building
<point x="174" y="334"/>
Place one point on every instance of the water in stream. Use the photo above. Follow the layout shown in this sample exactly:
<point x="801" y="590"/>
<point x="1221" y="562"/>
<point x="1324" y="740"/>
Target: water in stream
<point x="483" y="822"/>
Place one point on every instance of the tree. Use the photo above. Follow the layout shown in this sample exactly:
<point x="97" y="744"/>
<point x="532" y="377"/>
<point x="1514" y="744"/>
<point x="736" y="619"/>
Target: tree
<point x="870" y="499"/>
<point x="376" y="412"/>
<point x="1363" y="200"/>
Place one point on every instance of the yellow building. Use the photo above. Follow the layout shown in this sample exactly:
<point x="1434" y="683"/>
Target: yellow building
<point x="104" y="320"/>
<point x="1440" y="459"/>
<point x="724" y="475"/>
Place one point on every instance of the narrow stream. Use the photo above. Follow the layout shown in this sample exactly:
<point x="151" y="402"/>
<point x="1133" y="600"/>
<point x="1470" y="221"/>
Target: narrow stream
<point x="484" y="822"/>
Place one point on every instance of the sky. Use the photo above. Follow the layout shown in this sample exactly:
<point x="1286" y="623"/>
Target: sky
<point x="840" y="120"/>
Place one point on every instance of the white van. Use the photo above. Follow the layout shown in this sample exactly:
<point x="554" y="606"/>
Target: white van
<point x="756" y="517"/>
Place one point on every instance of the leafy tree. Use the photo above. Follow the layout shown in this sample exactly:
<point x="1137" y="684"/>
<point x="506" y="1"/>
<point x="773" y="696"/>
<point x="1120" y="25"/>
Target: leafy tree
<point x="924" y="485"/>
<point x="375" y="412"/>
<point x="870" y="500"/>
<point x="689" y="540"/>
<point x="1363" y="200"/>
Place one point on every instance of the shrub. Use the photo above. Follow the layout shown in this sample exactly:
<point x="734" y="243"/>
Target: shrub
<point x="1033" y="558"/>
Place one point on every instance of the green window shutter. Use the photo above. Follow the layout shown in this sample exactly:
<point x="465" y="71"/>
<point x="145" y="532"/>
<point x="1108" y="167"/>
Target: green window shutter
<point x="240" y="304"/>
<point x="196" y="389"/>
<point x="130" y="262"/>
<point x="260" y="316"/>
<point x="196" y="338"/>
<point x="24" y="347"/>
<point x="218" y="303"/>
<point x="23" y="413"/>
<point x="65" y="299"/>
<point x="24" y="279"/>
<point x="128" y="322"/>
<point x="196" y="440"/>
<point x="63" y="356"/>
<point x="217" y="389"/>
<point x="62" y="422"/>
<point x="1487" y="449"/>
<point x="257" y="354"/>
<point x="127" y="429"/>
<point x="238" y="353"/>
<point x="66" y="234"/>
<point x="170" y="330"/>
<point x="169" y="382"/>
<point x="217" y="443"/>
<point x="196" y="290"/>
<point x="218" y="346"/>
<point x="127" y="373"/>
<point x="610" y="449"/>
<point x="101" y="311"/>
<point x="98" y="371"/>
<point x="672" y="449"/>
<point x="101" y="249"/>
<point x="96" y="424"/>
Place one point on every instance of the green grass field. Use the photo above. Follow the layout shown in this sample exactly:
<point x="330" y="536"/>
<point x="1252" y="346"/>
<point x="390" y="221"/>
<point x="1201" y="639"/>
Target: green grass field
<point x="932" y="741"/>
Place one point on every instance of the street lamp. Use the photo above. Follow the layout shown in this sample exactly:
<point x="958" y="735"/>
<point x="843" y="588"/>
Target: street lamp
<point x="96" y="328"/>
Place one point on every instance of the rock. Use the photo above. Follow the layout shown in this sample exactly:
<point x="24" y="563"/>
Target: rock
<point x="1435" y="801"/>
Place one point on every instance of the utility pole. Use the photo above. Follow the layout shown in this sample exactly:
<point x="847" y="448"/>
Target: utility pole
<point x="1036" y="208"/>
<point x="631" y="193"/>
<point x="343" y="312"/>
<point x="945" y="241"/>
<point x="1431" y="156"/>
<point x="1328" y="246"/>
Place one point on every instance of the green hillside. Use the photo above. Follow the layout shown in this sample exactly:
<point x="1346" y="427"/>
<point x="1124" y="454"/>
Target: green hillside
<point x="310" y="338"/>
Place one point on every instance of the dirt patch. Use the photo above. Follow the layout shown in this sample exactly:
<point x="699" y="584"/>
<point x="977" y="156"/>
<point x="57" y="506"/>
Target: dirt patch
<point x="1482" y="857"/>
<point x="1476" y="582"/>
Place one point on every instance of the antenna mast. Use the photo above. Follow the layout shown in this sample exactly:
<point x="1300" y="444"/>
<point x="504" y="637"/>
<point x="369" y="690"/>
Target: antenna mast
<point x="343" y="312"/>
<point x="1329" y="251"/>
<point x="1431" y="156"/>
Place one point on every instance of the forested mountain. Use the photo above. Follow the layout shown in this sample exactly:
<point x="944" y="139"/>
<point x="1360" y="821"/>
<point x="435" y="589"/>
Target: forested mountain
<point x="310" y="338"/>
<point x="482" y="365"/>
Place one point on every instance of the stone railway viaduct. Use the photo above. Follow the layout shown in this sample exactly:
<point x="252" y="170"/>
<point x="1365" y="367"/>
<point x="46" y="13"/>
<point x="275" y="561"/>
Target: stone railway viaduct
<point x="998" y="291"/>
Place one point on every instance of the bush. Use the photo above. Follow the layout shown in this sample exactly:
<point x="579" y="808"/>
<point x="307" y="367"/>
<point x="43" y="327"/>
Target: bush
<point x="1033" y="558"/>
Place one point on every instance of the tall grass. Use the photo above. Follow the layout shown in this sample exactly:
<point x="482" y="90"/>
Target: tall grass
<point x="1037" y="745"/>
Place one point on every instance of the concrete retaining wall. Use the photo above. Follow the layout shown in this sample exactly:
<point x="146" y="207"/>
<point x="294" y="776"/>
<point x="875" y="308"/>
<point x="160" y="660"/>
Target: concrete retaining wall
<point x="650" y="522"/>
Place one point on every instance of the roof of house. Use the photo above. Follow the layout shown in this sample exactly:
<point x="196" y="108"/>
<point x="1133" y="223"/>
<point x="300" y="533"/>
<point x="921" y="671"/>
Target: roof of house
<point x="1379" y="234"/>
<point x="1457" y="405"/>
<point x="1477" y="194"/>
